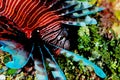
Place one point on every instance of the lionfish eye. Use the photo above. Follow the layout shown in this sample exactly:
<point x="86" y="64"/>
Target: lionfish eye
<point x="36" y="32"/>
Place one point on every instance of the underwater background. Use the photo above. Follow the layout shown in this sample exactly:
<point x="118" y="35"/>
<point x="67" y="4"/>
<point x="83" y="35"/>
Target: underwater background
<point x="98" y="43"/>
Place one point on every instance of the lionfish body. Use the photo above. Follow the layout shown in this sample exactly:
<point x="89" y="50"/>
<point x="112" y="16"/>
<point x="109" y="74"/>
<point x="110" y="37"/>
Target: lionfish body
<point x="31" y="27"/>
<point x="29" y="15"/>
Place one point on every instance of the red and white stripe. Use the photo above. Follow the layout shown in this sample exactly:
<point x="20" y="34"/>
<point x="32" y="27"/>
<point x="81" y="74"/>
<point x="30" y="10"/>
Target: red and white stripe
<point x="28" y="14"/>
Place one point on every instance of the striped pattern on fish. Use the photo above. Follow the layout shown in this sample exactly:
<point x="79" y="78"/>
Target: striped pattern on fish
<point x="29" y="15"/>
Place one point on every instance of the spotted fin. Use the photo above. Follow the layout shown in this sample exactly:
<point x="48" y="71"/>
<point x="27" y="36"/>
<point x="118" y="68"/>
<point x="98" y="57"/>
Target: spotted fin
<point x="19" y="56"/>
<point x="86" y="62"/>
<point x="79" y="14"/>
<point x="78" y="58"/>
<point x="87" y="21"/>
<point x="56" y="71"/>
<point x="39" y="63"/>
<point x="41" y="73"/>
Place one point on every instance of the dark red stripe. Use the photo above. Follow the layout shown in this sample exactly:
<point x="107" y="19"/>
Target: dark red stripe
<point x="16" y="9"/>
<point x="30" y="14"/>
<point x="36" y="19"/>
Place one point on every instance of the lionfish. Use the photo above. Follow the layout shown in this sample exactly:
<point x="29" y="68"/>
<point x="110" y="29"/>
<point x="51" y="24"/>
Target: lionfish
<point x="33" y="31"/>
